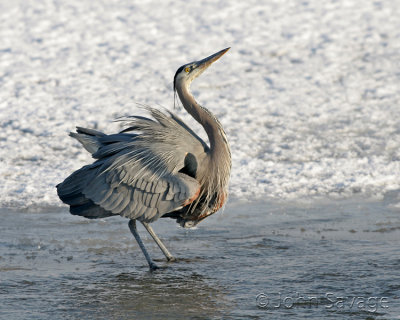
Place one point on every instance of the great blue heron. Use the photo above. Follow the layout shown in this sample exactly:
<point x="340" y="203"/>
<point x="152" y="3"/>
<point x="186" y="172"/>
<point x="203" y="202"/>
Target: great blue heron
<point x="155" y="167"/>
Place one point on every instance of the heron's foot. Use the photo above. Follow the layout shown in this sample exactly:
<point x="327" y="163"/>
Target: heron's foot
<point x="153" y="267"/>
<point x="171" y="259"/>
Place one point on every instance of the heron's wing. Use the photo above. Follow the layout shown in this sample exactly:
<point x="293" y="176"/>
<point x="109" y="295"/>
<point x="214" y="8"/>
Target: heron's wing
<point x="138" y="175"/>
<point x="121" y="192"/>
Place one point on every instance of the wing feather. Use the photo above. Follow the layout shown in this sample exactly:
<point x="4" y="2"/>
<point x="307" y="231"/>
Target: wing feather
<point x="169" y="195"/>
<point x="154" y="200"/>
<point x="147" y="199"/>
<point x="125" y="192"/>
<point x="115" y="201"/>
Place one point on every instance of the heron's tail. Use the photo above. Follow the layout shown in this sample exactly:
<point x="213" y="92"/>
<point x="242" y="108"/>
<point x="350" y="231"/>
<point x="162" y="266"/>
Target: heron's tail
<point x="70" y="192"/>
<point x="89" y="138"/>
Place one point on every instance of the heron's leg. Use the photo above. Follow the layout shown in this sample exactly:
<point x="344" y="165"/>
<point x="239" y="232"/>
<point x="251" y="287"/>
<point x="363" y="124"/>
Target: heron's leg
<point x="162" y="246"/>
<point x="132" y="227"/>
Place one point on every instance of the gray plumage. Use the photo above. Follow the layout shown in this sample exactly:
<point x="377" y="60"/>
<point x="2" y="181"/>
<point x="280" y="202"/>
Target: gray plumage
<point x="156" y="167"/>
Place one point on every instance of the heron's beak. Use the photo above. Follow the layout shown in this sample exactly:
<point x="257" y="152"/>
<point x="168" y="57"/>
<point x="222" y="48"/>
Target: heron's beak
<point x="206" y="62"/>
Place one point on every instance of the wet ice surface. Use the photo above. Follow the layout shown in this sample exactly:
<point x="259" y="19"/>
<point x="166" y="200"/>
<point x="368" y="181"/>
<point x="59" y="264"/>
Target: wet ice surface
<point x="54" y="265"/>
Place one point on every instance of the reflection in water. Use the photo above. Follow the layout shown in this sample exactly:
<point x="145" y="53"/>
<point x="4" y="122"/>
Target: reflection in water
<point x="174" y="293"/>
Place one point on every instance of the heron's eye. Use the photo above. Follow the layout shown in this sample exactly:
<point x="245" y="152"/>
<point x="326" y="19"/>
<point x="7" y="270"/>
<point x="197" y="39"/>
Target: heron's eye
<point x="187" y="69"/>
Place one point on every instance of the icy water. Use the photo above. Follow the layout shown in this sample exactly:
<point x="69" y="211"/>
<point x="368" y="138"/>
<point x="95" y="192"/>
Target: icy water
<point x="324" y="260"/>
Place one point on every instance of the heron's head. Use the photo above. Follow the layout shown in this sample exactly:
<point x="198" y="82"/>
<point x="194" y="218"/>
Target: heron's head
<point x="188" y="72"/>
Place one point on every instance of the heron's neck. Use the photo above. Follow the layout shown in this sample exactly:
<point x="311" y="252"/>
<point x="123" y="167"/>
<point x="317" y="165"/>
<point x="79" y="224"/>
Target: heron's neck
<point x="218" y="144"/>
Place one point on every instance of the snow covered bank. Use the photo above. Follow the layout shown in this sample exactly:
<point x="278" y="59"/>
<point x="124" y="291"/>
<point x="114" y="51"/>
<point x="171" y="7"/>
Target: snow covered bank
<point x="309" y="93"/>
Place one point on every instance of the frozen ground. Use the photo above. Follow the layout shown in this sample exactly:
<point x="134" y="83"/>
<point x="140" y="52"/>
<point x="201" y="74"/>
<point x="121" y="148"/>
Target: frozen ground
<point x="309" y="93"/>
